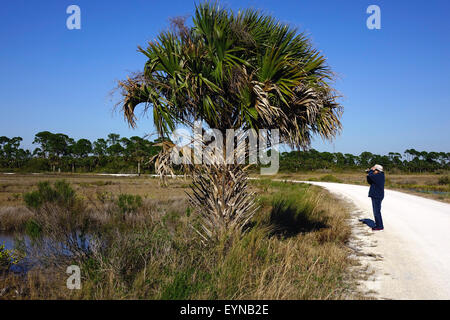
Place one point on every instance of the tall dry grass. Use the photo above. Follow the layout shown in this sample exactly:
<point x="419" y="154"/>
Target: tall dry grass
<point x="14" y="219"/>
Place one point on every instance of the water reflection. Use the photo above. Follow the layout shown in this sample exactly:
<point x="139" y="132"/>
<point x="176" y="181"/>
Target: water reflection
<point x="34" y="250"/>
<point x="7" y="239"/>
<point x="11" y="242"/>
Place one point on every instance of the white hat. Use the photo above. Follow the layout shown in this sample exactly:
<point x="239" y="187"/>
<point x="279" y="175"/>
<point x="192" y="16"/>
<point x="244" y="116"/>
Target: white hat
<point x="378" y="167"/>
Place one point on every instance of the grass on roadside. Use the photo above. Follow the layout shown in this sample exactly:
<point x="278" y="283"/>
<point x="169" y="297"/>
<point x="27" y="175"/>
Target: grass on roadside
<point x="430" y="185"/>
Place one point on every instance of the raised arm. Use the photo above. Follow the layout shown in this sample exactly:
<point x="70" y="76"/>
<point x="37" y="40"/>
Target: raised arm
<point x="369" y="177"/>
<point x="375" y="178"/>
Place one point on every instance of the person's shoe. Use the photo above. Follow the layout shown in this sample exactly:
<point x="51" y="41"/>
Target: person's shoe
<point x="377" y="228"/>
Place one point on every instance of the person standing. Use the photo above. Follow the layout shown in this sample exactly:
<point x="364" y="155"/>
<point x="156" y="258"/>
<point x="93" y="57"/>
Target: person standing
<point x="375" y="177"/>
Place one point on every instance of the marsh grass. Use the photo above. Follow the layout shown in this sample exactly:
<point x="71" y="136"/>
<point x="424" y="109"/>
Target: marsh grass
<point x="294" y="248"/>
<point x="326" y="178"/>
<point x="14" y="219"/>
<point x="445" y="180"/>
<point x="429" y="185"/>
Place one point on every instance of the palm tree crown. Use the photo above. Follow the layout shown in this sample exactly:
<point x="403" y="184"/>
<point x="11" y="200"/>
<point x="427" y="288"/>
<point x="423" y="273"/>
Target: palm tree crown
<point x="235" y="70"/>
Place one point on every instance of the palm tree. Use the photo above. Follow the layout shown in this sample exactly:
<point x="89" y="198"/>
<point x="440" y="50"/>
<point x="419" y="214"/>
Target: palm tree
<point x="233" y="71"/>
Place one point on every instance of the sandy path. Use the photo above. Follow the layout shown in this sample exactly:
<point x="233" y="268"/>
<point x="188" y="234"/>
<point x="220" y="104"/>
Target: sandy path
<point x="410" y="259"/>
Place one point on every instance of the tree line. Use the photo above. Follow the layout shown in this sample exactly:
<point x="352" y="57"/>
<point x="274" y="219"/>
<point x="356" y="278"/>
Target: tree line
<point x="410" y="161"/>
<point x="59" y="152"/>
<point x="113" y="154"/>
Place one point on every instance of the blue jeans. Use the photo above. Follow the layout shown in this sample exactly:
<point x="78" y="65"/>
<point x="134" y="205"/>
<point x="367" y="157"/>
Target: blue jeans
<point x="376" y="205"/>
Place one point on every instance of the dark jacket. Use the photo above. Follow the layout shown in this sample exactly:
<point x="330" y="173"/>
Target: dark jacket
<point x="376" y="182"/>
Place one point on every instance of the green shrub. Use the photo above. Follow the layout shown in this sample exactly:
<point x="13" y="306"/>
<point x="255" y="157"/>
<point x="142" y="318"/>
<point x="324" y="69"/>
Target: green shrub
<point x="33" y="229"/>
<point x="61" y="220"/>
<point x="330" y="178"/>
<point x="444" y="180"/>
<point x="61" y="194"/>
<point x="105" y="196"/>
<point x="129" y="203"/>
<point x="32" y="199"/>
<point x="7" y="258"/>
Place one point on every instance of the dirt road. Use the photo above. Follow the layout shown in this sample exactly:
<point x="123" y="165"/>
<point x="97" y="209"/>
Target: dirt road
<point x="410" y="259"/>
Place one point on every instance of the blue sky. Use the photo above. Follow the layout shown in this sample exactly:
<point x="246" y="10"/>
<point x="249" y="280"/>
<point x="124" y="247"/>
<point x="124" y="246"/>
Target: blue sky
<point x="395" y="81"/>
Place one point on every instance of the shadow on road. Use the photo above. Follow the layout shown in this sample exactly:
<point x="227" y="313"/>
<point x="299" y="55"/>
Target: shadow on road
<point x="368" y="222"/>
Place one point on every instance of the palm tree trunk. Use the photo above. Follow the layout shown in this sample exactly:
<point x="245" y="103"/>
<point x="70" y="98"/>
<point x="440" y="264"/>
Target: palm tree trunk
<point x="221" y="197"/>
